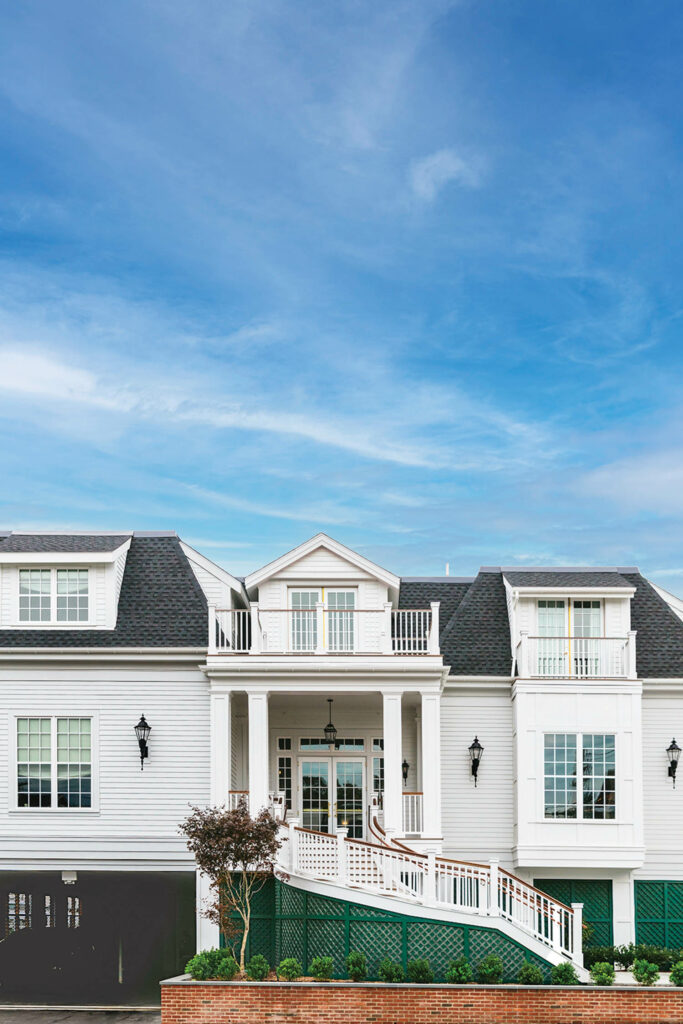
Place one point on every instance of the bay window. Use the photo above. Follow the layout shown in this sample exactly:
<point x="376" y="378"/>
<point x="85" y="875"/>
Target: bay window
<point x="593" y="754"/>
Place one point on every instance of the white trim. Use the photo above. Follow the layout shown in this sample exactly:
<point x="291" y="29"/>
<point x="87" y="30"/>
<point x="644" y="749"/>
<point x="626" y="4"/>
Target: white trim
<point x="13" y="773"/>
<point x="48" y="559"/>
<point x="321" y="540"/>
<point x="222" y="574"/>
<point x="53" y="623"/>
<point x="580" y="592"/>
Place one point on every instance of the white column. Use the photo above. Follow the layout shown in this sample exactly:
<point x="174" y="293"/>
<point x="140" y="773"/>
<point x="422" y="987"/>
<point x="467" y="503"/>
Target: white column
<point x="221" y="748"/>
<point x="208" y="933"/>
<point x="393" y="794"/>
<point x="258" y="750"/>
<point x="431" y="764"/>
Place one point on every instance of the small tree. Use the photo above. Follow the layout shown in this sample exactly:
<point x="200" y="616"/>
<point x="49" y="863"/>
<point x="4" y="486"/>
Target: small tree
<point x="237" y="853"/>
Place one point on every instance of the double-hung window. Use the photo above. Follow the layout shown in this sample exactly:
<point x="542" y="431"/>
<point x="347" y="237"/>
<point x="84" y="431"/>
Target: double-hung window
<point x="54" y="762"/>
<point x="591" y="754"/>
<point x="54" y="595"/>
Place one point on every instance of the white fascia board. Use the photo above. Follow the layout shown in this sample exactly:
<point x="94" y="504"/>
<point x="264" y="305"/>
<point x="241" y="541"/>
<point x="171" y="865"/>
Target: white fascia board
<point x="596" y="592"/>
<point x="321" y="540"/>
<point x="576" y="856"/>
<point x="222" y="574"/>
<point x="674" y="603"/>
<point x="63" y="557"/>
<point x="108" y="654"/>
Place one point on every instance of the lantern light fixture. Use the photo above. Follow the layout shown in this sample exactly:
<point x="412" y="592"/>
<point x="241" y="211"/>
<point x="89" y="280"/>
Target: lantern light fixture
<point x="476" y="750"/>
<point x="405" y="768"/>
<point x="142" y="731"/>
<point x="673" y="752"/>
<point x="330" y="731"/>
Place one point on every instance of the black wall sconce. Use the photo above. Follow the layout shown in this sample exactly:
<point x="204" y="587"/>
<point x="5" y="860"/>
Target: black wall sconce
<point x="673" y="752"/>
<point x="405" y="768"/>
<point x="476" y="750"/>
<point x="142" y="731"/>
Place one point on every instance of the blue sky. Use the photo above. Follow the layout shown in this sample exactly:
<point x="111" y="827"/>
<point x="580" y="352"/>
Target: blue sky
<point x="407" y="272"/>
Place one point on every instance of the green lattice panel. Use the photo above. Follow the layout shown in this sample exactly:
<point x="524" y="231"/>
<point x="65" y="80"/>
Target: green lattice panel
<point x="377" y="939"/>
<point x="327" y="938"/>
<point x="439" y="943"/>
<point x="261" y="938"/>
<point x="674" y="899"/>
<point x="596" y="896"/>
<point x="356" y="910"/>
<point x="320" y="906"/>
<point x="293" y="901"/>
<point x="659" y="913"/>
<point x="292" y="940"/>
<point x="484" y="941"/>
<point x="650" y="900"/>
<point x="651" y="933"/>
<point x="263" y="903"/>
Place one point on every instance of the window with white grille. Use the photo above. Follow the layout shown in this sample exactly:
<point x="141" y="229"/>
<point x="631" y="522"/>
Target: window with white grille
<point x="54" y="762"/>
<point x="54" y="595"/>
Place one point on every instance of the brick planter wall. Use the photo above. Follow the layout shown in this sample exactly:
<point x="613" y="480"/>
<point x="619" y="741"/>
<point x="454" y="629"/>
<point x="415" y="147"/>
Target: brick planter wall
<point x="215" y="1002"/>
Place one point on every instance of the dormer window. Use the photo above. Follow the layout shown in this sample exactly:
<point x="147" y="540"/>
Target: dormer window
<point x="53" y="595"/>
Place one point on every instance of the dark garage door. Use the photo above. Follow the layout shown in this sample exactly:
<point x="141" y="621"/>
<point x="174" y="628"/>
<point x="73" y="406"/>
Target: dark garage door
<point x="108" y="938"/>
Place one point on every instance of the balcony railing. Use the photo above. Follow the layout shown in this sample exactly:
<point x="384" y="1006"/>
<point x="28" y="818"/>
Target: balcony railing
<point x="412" y="814"/>
<point x="321" y="630"/>
<point x="575" y="657"/>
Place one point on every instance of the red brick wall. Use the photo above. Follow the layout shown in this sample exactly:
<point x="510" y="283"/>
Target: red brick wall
<point x="300" y="1003"/>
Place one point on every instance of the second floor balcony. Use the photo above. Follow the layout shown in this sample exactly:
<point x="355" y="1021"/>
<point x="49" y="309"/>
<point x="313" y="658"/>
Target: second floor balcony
<point x="321" y="630"/>
<point x="577" y="657"/>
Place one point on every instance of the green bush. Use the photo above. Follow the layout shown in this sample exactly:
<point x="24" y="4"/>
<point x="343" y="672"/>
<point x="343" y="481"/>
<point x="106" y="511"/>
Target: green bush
<point x="676" y="977"/>
<point x="321" y="968"/>
<point x="598" y="955"/>
<point x="390" y="972"/>
<point x="662" y="958"/>
<point x="290" y="969"/>
<point x="459" y="972"/>
<point x="257" y="968"/>
<point x="530" y="974"/>
<point x="564" y="974"/>
<point x="624" y="955"/>
<point x="356" y="966"/>
<point x="602" y="973"/>
<point x="490" y="970"/>
<point x="212" y="963"/>
<point x="645" y="973"/>
<point x="420" y="972"/>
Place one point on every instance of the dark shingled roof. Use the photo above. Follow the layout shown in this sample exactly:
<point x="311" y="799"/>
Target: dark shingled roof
<point x="55" y="542"/>
<point x="476" y="641"/>
<point x="573" y="578"/>
<point x="659" y="640"/>
<point x="161" y="605"/>
<point x="420" y="592"/>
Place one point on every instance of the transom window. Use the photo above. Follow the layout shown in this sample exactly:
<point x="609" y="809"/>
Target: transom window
<point x="54" y="762"/>
<point x="595" y="752"/>
<point x="53" y="595"/>
<point x="343" y="743"/>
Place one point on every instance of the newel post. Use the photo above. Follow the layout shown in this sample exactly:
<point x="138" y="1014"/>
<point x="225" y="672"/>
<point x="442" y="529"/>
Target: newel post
<point x="523" y="667"/>
<point x="385" y="637"/>
<point x="577" y="934"/>
<point x="430" y="893"/>
<point x="342" y="856"/>
<point x="255" y="646"/>
<point x="212" y="649"/>
<point x="293" y="858"/>
<point x="631" y="654"/>
<point x="433" y="643"/>
<point x="494" y="906"/>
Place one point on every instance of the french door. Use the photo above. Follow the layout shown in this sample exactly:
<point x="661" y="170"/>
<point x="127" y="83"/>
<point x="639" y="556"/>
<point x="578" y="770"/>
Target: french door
<point x="332" y="792"/>
<point x="339" y="619"/>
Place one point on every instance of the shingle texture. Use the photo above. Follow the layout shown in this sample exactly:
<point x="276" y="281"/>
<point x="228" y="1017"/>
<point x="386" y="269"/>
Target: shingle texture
<point x="419" y="594"/>
<point x="56" y="542"/>
<point x="161" y="605"/>
<point x="659" y="639"/>
<point x="540" y="578"/>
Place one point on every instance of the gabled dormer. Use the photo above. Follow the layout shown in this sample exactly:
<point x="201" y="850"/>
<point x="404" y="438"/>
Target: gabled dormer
<point x="54" y="581"/>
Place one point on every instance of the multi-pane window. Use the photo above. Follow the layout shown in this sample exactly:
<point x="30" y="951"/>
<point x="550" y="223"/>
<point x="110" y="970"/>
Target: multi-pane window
<point x="378" y="768"/>
<point x="53" y="595"/>
<point x="340" y="620"/>
<point x="586" y="615"/>
<point x="54" y="762"/>
<point x="34" y="762"/>
<point x="560" y="775"/>
<point x="74" y="762"/>
<point x="304" y="620"/>
<point x="342" y="743"/>
<point x="595" y="753"/>
<point x="599" y="782"/>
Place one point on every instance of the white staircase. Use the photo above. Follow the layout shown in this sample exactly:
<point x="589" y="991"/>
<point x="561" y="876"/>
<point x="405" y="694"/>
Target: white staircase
<point x="433" y="886"/>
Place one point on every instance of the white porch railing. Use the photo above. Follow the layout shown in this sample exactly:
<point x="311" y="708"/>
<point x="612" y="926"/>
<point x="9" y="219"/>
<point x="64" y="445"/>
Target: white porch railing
<point x="412" y="813"/>
<point x="236" y="796"/>
<point x="322" y="630"/>
<point x="479" y="889"/>
<point x="599" y="657"/>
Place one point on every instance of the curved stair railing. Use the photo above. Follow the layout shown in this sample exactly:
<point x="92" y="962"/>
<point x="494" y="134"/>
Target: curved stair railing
<point x="389" y="868"/>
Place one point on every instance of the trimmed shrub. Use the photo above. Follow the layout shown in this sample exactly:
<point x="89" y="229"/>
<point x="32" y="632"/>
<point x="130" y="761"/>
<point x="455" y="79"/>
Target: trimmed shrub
<point x="564" y="974"/>
<point x="662" y="958"/>
<point x="490" y="970"/>
<point x="321" y="968"/>
<point x="257" y="968"/>
<point x="211" y="963"/>
<point x="459" y="972"/>
<point x="420" y="972"/>
<point x="290" y="969"/>
<point x="356" y="966"/>
<point x="645" y="972"/>
<point x="625" y="955"/>
<point x="598" y="955"/>
<point x="530" y="974"/>
<point x="602" y="973"/>
<point x="390" y="972"/>
<point x="676" y="977"/>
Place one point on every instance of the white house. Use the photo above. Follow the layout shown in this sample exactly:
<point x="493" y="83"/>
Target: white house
<point x="348" y="700"/>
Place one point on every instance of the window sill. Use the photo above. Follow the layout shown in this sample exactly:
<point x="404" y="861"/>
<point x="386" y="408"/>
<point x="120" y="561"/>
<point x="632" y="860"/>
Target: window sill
<point x="53" y="810"/>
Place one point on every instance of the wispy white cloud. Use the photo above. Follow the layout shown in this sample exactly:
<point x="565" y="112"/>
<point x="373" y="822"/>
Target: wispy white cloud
<point x="430" y="174"/>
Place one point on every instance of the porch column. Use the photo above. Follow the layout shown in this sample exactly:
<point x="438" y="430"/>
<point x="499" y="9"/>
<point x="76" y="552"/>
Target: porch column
<point x="258" y="750"/>
<point x="431" y="764"/>
<point x="393" y="796"/>
<point x="221" y="748"/>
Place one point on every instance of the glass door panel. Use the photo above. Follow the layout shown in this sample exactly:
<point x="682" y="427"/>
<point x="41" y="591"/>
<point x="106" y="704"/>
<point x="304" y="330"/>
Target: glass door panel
<point x="552" y="644"/>
<point x="315" y="795"/>
<point x="304" y="628"/>
<point x="349" y="796"/>
<point x="340" y="620"/>
<point x="587" y="627"/>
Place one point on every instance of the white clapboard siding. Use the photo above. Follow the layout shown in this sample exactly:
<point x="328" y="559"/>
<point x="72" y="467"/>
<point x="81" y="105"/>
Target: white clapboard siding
<point x="663" y="821"/>
<point x="477" y="823"/>
<point x="119" y="569"/>
<point x="143" y="806"/>
<point x="323" y="564"/>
